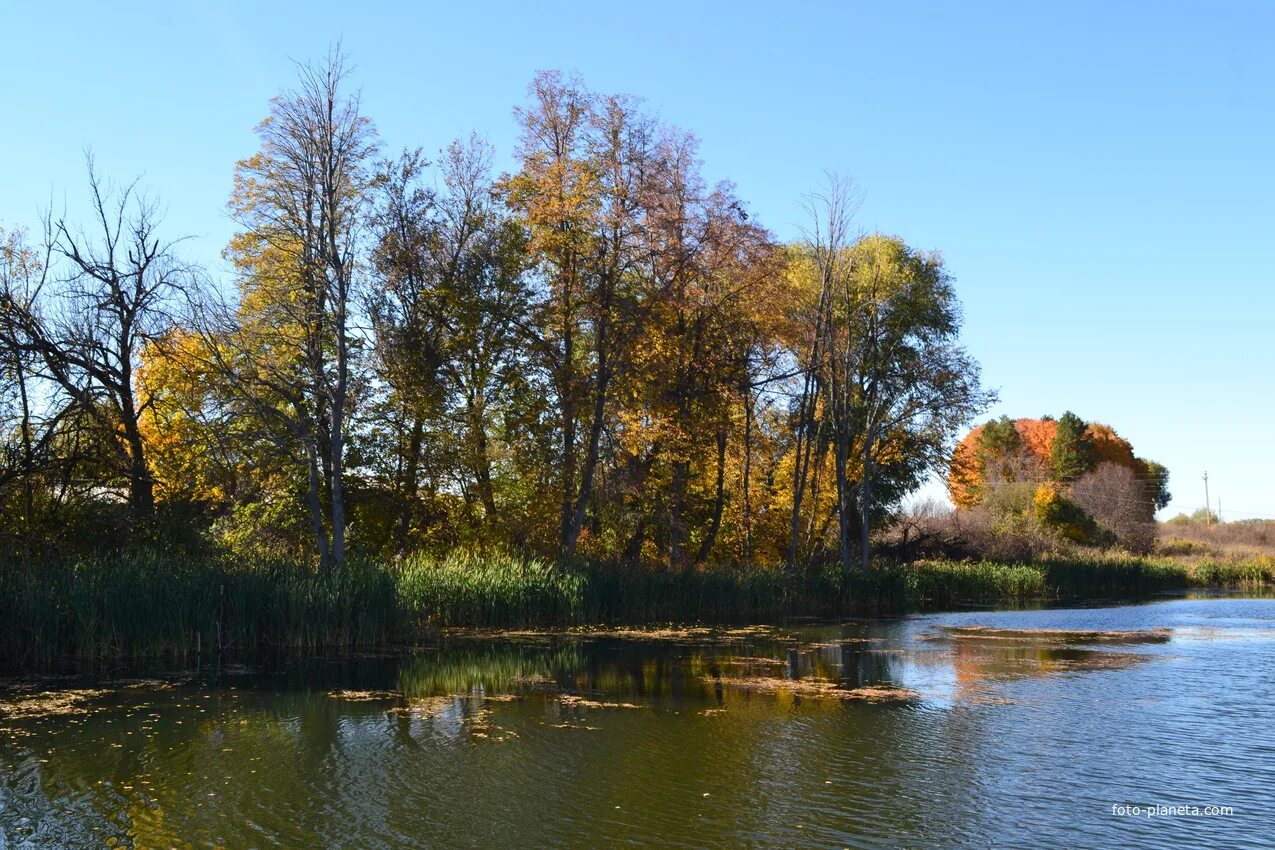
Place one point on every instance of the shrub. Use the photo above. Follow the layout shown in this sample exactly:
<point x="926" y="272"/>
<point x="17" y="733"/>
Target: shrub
<point x="1055" y="511"/>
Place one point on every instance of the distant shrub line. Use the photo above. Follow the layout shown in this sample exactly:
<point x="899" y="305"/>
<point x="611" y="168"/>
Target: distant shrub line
<point x="146" y="604"/>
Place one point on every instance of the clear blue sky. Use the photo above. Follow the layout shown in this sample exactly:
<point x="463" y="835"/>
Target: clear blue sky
<point x="1097" y="174"/>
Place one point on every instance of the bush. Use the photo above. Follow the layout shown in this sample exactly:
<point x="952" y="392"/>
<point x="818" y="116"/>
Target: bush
<point x="1055" y="511"/>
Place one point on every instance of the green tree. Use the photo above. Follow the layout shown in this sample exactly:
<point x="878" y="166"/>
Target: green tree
<point x="1072" y="452"/>
<point x="1157" y="478"/>
<point x="897" y="384"/>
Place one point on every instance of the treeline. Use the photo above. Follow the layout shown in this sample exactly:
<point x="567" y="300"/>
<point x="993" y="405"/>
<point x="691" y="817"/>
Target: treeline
<point x="598" y="355"/>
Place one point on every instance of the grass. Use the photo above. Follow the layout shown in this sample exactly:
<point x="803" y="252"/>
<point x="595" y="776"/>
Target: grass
<point x="150" y="604"/>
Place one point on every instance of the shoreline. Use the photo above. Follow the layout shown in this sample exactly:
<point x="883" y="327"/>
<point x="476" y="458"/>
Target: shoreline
<point x="120" y="609"/>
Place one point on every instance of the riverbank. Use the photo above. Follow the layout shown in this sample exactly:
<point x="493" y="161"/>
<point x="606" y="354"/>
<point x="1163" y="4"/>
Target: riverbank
<point x="150" y="604"/>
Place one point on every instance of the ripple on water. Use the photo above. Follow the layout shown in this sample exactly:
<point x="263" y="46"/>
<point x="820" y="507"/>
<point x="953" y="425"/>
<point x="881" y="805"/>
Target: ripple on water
<point x="1016" y="732"/>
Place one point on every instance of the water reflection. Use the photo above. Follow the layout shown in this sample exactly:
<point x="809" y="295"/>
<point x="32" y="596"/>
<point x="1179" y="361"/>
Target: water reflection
<point x="695" y="739"/>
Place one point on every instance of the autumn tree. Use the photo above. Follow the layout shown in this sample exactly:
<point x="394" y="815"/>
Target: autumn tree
<point x="708" y="266"/>
<point x="289" y="347"/>
<point x="896" y="382"/>
<point x="579" y="195"/>
<point x="450" y="314"/>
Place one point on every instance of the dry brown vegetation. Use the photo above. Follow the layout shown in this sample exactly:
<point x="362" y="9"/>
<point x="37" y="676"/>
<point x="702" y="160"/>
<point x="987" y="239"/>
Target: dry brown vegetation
<point x="935" y="531"/>
<point x="1223" y="540"/>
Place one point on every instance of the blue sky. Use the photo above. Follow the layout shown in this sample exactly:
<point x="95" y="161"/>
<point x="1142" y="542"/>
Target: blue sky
<point x="1098" y="175"/>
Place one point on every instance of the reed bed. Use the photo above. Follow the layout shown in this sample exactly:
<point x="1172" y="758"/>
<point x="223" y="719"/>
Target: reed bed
<point x="145" y="604"/>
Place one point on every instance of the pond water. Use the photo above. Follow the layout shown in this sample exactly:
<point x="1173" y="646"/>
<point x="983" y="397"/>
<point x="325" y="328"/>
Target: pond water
<point x="920" y="731"/>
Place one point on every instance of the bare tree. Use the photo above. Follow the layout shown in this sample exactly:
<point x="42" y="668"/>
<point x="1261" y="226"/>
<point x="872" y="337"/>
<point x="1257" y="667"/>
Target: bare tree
<point x="1116" y="498"/>
<point x="110" y="290"/>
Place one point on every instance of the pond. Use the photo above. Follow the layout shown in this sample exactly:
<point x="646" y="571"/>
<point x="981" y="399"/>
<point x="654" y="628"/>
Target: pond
<point x="1033" y="728"/>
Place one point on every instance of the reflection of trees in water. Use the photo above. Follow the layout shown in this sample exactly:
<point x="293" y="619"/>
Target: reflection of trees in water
<point x="287" y="761"/>
<point x="649" y="670"/>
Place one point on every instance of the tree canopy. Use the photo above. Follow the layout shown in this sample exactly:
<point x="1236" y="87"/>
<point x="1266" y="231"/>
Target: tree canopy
<point x="598" y="354"/>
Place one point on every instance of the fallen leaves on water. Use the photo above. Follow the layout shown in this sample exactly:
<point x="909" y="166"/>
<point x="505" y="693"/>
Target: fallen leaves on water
<point x="817" y="689"/>
<point x="573" y="701"/>
<point x="365" y="696"/>
<point x="576" y="726"/>
<point x="481" y="727"/>
<point x="1053" y="635"/>
<point x="749" y="660"/>
<point x="49" y="703"/>
<point x="427" y="706"/>
<point x="654" y="633"/>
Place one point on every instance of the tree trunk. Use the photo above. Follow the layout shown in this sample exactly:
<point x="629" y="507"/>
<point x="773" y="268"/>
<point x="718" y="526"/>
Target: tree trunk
<point x="865" y="499"/>
<point x="410" y="485"/>
<point x="141" y="487"/>
<point x="845" y="505"/>
<point x="566" y="392"/>
<point x="316" y="504"/>
<point x="633" y="549"/>
<point x="719" y="502"/>
<point x="748" y="477"/>
<point x="482" y="459"/>
<point x="338" y="494"/>
<point x="677" y="513"/>
<point x="601" y="384"/>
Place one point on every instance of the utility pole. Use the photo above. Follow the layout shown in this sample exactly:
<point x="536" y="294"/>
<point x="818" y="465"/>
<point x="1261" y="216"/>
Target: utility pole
<point x="1208" y="512"/>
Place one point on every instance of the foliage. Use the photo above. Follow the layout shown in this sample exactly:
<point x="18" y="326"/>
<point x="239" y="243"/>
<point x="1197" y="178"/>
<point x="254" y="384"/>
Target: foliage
<point x="1055" y="511"/>
<point x="1071" y="454"/>
<point x="1088" y="484"/>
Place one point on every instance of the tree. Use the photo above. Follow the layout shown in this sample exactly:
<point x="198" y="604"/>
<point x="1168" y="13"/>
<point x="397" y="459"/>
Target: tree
<point x="1072" y="452"/>
<point x="289" y="347"/>
<point x="27" y="438"/>
<point x="1116" y="499"/>
<point x="708" y="267"/>
<point x="450" y="315"/>
<point x="1037" y="450"/>
<point x="896" y="383"/>
<point x="579" y="194"/>
<point x="81" y="329"/>
<point x="1156" y="476"/>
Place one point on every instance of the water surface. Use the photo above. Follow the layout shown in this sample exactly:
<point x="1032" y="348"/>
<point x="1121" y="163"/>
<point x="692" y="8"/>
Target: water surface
<point x="899" y="733"/>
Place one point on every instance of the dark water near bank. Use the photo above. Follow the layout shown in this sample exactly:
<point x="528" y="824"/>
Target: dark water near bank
<point x="867" y="734"/>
